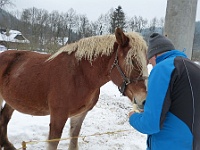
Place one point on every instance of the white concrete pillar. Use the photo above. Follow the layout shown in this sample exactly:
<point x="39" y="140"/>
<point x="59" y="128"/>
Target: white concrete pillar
<point x="180" y="23"/>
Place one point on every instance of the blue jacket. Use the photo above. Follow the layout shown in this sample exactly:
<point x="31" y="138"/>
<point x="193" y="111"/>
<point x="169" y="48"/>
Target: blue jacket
<point x="170" y="118"/>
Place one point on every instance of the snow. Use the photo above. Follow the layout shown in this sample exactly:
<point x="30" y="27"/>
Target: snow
<point x="11" y="37"/>
<point x="106" y="127"/>
<point x="2" y="48"/>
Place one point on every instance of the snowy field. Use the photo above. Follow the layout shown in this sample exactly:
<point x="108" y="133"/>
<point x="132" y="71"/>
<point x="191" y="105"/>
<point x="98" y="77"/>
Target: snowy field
<point x="110" y="115"/>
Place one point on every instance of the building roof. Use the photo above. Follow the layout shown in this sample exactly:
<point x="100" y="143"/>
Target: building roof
<point x="13" y="36"/>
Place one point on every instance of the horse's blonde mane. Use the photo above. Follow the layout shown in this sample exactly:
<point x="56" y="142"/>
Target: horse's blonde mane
<point x="138" y="51"/>
<point x="103" y="45"/>
<point x="89" y="48"/>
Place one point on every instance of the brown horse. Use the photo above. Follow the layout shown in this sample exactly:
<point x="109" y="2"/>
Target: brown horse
<point x="67" y="84"/>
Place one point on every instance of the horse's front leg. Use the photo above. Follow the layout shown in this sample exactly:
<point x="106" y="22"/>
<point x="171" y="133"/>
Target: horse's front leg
<point x="75" y="127"/>
<point x="5" y="116"/>
<point x="57" y="122"/>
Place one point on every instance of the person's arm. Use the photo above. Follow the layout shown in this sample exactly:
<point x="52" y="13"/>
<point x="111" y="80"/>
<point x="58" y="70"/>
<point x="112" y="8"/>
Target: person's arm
<point x="148" y="122"/>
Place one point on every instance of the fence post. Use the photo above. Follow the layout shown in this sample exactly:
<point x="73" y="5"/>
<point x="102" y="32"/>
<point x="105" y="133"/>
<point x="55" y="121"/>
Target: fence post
<point x="23" y="145"/>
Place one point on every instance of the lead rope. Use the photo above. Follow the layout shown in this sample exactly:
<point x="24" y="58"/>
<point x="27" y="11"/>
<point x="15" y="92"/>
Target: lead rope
<point x="188" y="75"/>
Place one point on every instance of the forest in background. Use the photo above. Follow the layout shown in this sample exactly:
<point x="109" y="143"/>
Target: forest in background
<point x="48" y="31"/>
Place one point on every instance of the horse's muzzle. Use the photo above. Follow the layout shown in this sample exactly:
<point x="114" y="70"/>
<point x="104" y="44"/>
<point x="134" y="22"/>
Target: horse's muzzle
<point x="140" y="107"/>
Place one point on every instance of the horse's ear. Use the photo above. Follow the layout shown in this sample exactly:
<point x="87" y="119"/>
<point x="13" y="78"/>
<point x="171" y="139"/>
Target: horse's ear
<point x="120" y="37"/>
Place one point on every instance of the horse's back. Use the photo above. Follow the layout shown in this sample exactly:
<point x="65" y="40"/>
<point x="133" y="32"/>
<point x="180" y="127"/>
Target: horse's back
<point x="7" y="58"/>
<point x="11" y="58"/>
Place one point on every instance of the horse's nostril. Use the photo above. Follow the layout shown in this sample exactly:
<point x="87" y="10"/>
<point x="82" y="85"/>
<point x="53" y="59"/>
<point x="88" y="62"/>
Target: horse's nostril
<point x="143" y="103"/>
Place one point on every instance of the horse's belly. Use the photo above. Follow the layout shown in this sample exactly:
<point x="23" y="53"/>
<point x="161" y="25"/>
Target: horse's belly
<point x="36" y="111"/>
<point x="28" y="106"/>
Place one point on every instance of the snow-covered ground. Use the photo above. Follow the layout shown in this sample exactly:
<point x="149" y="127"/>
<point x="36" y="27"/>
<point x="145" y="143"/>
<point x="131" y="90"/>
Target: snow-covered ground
<point x="110" y="114"/>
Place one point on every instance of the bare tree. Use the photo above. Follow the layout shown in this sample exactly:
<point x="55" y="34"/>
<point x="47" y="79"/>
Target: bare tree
<point x="137" y="24"/>
<point x="71" y="23"/>
<point x="4" y="3"/>
<point x="102" y="26"/>
<point x="153" y="25"/>
<point x="84" y="27"/>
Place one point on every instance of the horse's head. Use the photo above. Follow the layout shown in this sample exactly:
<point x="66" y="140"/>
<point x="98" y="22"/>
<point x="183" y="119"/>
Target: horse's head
<point x="129" y="69"/>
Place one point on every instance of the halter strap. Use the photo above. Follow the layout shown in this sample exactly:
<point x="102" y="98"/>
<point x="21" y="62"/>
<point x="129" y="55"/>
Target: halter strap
<point x="126" y="80"/>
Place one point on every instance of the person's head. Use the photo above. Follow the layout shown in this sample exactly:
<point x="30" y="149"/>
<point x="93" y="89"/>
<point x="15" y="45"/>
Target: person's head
<point x="158" y="44"/>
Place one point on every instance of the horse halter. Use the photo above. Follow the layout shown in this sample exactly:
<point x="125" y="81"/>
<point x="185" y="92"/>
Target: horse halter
<point x="126" y="80"/>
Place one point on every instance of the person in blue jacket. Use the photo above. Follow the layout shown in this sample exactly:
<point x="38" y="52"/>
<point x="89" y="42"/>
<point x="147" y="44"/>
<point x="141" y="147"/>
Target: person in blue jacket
<point x="171" y="115"/>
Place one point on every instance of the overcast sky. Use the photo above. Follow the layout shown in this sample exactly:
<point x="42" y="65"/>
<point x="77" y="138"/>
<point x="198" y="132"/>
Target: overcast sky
<point x="148" y="9"/>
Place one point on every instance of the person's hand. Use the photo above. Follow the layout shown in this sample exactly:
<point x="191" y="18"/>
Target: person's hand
<point x="135" y="110"/>
<point x="130" y="113"/>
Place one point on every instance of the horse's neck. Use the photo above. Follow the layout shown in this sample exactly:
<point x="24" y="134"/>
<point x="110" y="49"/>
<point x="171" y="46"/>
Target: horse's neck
<point x="97" y="72"/>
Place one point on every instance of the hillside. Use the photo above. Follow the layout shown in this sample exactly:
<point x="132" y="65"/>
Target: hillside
<point x="7" y="20"/>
